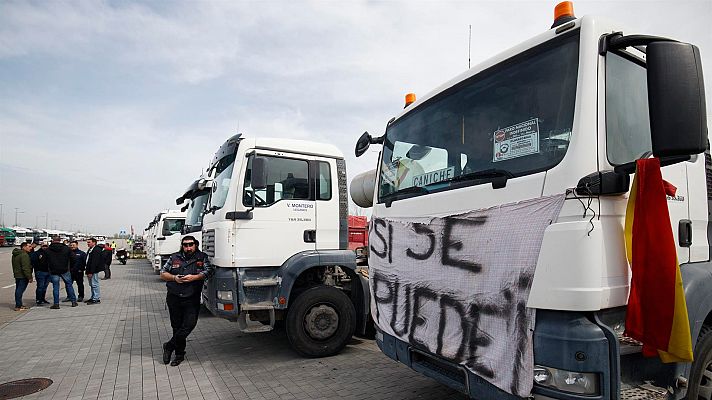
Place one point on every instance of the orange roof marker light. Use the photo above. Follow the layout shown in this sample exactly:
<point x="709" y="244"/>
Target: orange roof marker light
<point x="409" y="99"/>
<point x="563" y="13"/>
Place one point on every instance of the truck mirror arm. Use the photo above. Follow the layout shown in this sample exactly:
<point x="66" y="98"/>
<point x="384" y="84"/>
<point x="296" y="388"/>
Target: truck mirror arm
<point x="617" y="41"/>
<point x="629" y="168"/>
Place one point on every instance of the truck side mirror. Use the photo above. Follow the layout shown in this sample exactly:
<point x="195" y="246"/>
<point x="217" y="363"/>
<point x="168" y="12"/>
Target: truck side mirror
<point x="364" y="141"/>
<point x="676" y="99"/>
<point x="205" y="182"/>
<point x="362" y="144"/>
<point x="258" y="178"/>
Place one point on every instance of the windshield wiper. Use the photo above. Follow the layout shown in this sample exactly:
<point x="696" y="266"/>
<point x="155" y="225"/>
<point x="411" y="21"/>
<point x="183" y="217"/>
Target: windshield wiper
<point x="406" y="191"/>
<point x="497" y="176"/>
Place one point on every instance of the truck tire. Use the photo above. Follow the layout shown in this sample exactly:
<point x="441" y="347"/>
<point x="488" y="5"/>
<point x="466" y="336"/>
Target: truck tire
<point x="701" y="375"/>
<point x="320" y="322"/>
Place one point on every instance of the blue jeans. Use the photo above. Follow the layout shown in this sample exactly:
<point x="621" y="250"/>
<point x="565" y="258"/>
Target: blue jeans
<point x="94" y="284"/>
<point x="42" y="283"/>
<point x="20" y="287"/>
<point x="67" y="278"/>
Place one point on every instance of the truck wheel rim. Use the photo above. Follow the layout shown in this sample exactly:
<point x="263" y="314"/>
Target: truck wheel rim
<point x="705" y="390"/>
<point x="321" y="322"/>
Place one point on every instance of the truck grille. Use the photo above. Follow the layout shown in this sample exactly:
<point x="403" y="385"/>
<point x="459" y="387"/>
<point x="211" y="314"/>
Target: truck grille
<point x="423" y="362"/>
<point x="209" y="242"/>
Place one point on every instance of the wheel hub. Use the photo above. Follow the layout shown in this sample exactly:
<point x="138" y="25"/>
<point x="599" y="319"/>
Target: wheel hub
<point x="705" y="390"/>
<point x="321" y="322"/>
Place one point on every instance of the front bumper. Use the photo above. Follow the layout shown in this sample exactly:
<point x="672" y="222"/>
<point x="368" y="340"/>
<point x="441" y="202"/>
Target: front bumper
<point x="564" y="340"/>
<point x="223" y="279"/>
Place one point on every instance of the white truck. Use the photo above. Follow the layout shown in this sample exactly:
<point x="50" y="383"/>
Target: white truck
<point x="566" y="113"/>
<point x="164" y="235"/>
<point x="275" y="229"/>
<point x="22" y="235"/>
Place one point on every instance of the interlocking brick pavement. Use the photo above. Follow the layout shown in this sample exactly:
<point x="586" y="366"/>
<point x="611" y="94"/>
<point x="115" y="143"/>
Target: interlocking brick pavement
<point x="112" y="351"/>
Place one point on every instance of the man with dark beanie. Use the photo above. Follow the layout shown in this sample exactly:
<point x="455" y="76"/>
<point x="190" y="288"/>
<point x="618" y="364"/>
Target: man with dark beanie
<point x="184" y="273"/>
<point x="39" y="266"/>
<point x="58" y="260"/>
<point x="77" y="267"/>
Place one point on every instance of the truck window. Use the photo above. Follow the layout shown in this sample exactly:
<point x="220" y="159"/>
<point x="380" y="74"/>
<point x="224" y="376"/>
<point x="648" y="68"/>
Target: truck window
<point x="324" y="181"/>
<point x="194" y="215"/>
<point x="627" y="119"/>
<point x="172" y="226"/>
<point x="514" y="118"/>
<point x="287" y="178"/>
<point x="222" y="171"/>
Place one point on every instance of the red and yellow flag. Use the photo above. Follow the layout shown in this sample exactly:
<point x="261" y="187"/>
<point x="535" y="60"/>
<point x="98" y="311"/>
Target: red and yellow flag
<point x="657" y="312"/>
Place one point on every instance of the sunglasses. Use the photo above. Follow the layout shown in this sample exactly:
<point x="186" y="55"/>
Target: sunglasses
<point x="191" y="244"/>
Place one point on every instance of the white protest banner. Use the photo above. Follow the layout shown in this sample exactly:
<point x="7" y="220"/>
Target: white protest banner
<point x="457" y="286"/>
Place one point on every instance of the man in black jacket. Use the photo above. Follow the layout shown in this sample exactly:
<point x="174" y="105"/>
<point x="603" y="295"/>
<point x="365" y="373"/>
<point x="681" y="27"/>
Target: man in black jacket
<point x="39" y="266"/>
<point x="95" y="264"/>
<point x="77" y="267"/>
<point x="184" y="273"/>
<point x="58" y="256"/>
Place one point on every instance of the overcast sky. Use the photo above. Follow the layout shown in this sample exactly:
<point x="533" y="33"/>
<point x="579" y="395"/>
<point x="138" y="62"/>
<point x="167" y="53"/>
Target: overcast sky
<point x="109" y="110"/>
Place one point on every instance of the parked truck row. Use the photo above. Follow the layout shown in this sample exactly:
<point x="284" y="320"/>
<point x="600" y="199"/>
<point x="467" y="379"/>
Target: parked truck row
<point x="494" y="260"/>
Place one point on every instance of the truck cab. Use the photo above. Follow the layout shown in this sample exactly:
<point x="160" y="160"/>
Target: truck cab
<point x="275" y="228"/>
<point x="194" y="201"/>
<point x="9" y="236"/>
<point x="557" y="121"/>
<point x="165" y="235"/>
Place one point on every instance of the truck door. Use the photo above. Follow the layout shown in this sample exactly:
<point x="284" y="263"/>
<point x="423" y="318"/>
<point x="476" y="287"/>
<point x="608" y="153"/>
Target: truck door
<point x="284" y="219"/>
<point x="328" y="219"/>
<point x="628" y="132"/>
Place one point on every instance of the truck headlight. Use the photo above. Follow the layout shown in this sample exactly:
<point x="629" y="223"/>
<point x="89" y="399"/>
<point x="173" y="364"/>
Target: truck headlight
<point x="225" y="295"/>
<point x="567" y="381"/>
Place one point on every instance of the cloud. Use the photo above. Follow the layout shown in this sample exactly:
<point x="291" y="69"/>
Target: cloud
<point x="127" y="101"/>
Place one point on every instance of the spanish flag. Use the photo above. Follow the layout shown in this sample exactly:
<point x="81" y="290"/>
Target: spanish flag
<point x="657" y="312"/>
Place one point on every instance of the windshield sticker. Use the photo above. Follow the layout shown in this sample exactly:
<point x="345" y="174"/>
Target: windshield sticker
<point x="390" y="172"/>
<point x="517" y="140"/>
<point x="434" y="176"/>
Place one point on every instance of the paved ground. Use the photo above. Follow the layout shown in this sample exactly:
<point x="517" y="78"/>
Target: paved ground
<point x="112" y="351"/>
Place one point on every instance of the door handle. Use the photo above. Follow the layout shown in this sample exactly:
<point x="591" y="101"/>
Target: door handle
<point x="684" y="233"/>
<point x="310" y="236"/>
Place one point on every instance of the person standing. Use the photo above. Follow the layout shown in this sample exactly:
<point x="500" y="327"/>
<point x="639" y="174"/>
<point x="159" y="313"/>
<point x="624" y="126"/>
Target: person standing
<point x="184" y="273"/>
<point x="22" y="269"/>
<point x="108" y="254"/>
<point x="95" y="264"/>
<point x="39" y="265"/>
<point x="58" y="259"/>
<point x="78" y="262"/>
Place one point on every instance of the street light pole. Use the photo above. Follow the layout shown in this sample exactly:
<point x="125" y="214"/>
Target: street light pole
<point x="17" y="212"/>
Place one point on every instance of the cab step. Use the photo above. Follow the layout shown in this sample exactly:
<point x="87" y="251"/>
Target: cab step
<point x="645" y="391"/>
<point x="267" y="305"/>
<point x="262" y="282"/>
<point x="247" y="325"/>
<point x="629" y="345"/>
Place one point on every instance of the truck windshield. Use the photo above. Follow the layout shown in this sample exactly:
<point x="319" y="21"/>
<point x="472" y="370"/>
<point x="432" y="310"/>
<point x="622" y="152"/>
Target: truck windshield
<point x="222" y="173"/>
<point x="510" y="120"/>
<point x="173" y="225"/>
<point x="194" y="214"/>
